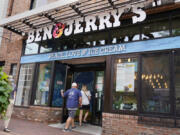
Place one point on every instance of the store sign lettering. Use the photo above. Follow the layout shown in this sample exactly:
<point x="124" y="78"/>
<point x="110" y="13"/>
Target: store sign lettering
<point x="89" y="52"/>
<point x="75" y="26"/>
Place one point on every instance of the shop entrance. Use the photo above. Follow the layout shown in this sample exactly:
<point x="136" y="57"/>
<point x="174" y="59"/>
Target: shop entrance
<point x="92" y="75"/>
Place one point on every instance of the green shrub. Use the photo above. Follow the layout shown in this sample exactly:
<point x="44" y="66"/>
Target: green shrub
<point x="5" y="90"/>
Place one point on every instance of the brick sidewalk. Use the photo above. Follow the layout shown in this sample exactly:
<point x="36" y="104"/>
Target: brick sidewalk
<point x="23" y="127"/>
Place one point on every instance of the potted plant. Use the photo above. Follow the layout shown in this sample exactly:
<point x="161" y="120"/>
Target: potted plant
<point x="5" y="90"/>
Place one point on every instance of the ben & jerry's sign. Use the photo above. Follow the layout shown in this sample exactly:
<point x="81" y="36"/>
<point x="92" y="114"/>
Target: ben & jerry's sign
<point x="75" y="27"/>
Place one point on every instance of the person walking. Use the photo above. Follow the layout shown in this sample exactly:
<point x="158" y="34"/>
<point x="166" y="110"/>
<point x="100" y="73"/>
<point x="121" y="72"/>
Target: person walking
<point x="9" y="110"/>
<point x="74" y="99"/>
<point x="86" y="97"/>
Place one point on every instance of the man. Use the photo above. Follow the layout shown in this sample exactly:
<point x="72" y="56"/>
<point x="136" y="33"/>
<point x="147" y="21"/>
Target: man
<point x="11" y="105"/>
<point x="74" y="98"/>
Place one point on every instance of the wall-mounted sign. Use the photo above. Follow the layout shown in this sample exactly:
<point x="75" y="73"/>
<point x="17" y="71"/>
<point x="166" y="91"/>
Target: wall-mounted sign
<point x="125" y="77"/>
<point x="141" y="46"/>
<point x="76" y="26"/>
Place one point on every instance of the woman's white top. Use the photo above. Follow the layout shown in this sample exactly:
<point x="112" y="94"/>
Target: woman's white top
<point x="85" y="100"/>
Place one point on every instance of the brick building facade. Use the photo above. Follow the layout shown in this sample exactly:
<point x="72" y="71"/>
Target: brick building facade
<point x="110" y="56"/>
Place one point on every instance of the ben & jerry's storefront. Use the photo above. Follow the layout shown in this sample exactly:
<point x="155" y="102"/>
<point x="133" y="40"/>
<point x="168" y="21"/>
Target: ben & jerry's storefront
<point x="126" y="54"/>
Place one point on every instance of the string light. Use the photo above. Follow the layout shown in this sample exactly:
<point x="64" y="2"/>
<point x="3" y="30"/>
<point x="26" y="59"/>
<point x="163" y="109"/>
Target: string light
<point x="154" y="76"/>
<point x="129" y="60"/>
<point x="150" y="76"/>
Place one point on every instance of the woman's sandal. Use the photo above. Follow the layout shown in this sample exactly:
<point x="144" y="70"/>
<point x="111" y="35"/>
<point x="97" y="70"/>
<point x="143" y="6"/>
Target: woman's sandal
<point x="84" y="121"/>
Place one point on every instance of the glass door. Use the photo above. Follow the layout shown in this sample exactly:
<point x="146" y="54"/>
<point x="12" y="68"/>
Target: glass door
<point x="98" y="98"/>
<point x="59" y="84"/>
<point x="85" y="78"/>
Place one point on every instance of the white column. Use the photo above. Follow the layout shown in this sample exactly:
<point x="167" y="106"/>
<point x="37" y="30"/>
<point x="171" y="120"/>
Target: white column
<point x="3" y="11"/>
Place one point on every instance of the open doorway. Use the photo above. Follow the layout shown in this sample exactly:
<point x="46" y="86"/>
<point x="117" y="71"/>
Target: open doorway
<point x="92" y="75"/>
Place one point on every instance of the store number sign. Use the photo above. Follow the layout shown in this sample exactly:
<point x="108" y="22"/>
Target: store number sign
<point x="75" y="26"/>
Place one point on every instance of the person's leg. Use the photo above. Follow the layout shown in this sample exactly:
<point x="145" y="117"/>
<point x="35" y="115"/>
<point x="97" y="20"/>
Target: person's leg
<point x="68" y="122"/>
<point x="8" y="116"/>
<point x="72" y="122"/>
<point x="80" y="117"/>
<point x="85" y="117"/>
<point x="73" y="115"/>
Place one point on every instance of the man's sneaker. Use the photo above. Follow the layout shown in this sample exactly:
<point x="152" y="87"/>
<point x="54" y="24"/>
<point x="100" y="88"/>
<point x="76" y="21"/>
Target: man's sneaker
<point x="66" y="130"/>
<point x="7" y="130"/>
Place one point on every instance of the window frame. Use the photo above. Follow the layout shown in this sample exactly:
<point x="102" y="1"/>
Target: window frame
<point x="35" y="83"/>
<point x="112" y="81"/>
<point x="32" y="3"/>
<point x="139" y="112"/>
<point x="11" y="69"/>
<point x="31" y="86"/>
<point x="171" y="82"/>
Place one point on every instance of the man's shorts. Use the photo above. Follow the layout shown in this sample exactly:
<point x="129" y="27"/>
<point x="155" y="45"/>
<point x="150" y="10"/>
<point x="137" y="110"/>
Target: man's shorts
<point x="72" y="113"/>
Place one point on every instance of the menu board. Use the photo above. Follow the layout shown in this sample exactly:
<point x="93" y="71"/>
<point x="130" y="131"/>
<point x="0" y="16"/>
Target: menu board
<point x="125" y="77"/>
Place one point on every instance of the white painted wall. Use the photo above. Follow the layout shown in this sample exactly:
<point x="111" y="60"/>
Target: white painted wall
<point x="3" y="11"/>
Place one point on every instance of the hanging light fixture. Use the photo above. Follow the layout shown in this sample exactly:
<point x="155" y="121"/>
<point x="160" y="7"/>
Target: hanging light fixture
<point x="129" y="59"/>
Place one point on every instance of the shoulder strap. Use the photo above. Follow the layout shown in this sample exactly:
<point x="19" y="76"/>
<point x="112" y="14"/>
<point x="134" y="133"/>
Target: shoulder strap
<point x="86" y="95"/>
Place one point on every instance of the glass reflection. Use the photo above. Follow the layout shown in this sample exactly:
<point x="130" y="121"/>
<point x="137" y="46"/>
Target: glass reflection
<point x="31" y="48"/>
<point x="155" y="83"/>
<point x="42" y="91"/>
<point x="125" y="84"/>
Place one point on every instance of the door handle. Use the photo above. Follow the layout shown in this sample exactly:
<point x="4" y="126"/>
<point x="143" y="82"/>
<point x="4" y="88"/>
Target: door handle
<point x="96" y="95"/>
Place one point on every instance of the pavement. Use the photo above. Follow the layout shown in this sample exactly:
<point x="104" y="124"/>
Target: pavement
<point x="24" y="127"/>
<point x="85" y="128"/>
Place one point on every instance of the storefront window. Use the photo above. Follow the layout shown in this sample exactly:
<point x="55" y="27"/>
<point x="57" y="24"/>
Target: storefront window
<point x="47" y="46"/>
<point x="155" y="83"/>
<point x="75" y="42"/>
<point x="31" y="48"/>
<point x="177" y="82"/>
<point x="125" y="84"/>
<point x="24" y="85"/>
<point x="59" y="84"/>
<point x="125" y="34"/>
<point x="13" y="69"/>
<point x="155" y="29"/>
<point x="96" y="39"/>
<point x="42" y="91"/>
<point x="176" y="26"/>
<point x="38" y="3"/>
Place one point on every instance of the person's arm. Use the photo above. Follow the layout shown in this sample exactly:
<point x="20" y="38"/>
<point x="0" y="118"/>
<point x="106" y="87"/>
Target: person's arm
<point x="15" y="94"/>
<point x="89" y="95"/>
<point x="62" y="93"/>
<point x="80" y="101"/>
<point x="15" y="91"/>
<point x="80" y="98"/>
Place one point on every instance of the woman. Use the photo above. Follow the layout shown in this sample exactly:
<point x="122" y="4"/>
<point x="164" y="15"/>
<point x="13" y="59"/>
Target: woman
<point x="86" y="97"/>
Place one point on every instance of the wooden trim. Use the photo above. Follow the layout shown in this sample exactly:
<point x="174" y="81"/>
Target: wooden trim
<point x="107" y="85"/>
